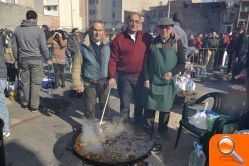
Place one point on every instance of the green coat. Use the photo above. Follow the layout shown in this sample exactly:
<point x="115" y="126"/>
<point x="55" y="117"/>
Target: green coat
<point x="161" y="95"/>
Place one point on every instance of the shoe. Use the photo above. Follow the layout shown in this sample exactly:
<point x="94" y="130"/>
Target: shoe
<point x="56" y="86"/>
<point x="34" y="109"/>
<point x="26" y="107"/>
<point x="63" y="85"/>
<point x="6" y="134"/>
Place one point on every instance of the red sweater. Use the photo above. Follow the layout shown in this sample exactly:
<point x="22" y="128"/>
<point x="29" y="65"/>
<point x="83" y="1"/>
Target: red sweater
<point x="127" y="56"/>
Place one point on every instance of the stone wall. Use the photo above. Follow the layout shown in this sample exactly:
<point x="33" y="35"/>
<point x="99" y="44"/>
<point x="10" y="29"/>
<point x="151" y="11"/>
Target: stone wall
<point x="12" y="15"/>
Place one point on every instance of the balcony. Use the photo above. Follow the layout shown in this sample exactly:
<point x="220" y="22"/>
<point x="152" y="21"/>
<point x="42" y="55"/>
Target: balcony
<point x="50" y="2"/>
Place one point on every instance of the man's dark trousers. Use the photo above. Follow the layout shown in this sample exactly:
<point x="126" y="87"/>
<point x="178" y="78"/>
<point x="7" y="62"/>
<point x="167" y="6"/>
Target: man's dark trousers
<point x="31" y="77"/>
<point x="91" y="92"/>
<point x="130" y="86"/>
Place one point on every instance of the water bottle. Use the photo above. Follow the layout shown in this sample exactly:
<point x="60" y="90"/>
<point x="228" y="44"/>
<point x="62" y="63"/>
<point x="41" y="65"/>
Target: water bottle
<point x="197" y="157"/>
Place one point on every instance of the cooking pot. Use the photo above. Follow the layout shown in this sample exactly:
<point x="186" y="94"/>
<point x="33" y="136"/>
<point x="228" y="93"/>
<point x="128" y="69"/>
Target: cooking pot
<point x="135" y="143"/>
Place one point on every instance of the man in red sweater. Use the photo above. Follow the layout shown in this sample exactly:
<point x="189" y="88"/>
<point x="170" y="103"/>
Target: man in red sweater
<point x="127" y="57"/>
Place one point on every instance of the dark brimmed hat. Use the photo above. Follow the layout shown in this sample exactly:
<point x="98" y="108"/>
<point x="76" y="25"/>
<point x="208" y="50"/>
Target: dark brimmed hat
<point x="166" y="21"/>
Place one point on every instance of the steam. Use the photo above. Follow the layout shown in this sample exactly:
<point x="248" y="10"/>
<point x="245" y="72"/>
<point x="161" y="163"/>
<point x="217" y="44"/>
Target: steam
<point x="90" y="137"/>
<point x="94" y="139"/>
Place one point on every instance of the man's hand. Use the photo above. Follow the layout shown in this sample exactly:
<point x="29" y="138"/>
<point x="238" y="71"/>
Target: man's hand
<point x="241" y="75"/>
<point x="147" y="84"/>
<point x="112" y="82"/>
<point x="49" y="62"/>
<point x="167" y="76"/>
<point x="79" y="88"/>
<point x="18" y="65"/>
<point x="244" y="71"/>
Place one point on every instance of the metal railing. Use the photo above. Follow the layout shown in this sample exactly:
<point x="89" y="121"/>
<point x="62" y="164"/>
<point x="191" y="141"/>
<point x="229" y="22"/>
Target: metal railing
<point x="206" y="57"/>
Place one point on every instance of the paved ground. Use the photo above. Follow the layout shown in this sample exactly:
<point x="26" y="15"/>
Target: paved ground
<point x="43" y="139"/>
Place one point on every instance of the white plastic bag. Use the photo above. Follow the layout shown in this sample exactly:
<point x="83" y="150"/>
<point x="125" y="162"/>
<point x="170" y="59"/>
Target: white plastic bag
<point x="190" y="86"/>
<point x="199" y="119"/>
<point x="180" y="83"/>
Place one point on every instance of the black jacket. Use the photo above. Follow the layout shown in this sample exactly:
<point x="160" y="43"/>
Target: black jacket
<point x="242" y="49"/>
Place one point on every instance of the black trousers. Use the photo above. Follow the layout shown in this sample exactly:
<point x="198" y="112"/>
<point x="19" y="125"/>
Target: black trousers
<point x="149" y="118"/>
<point x="130" y="87"/>
<point x="90" y="95"/>
<point x="11" y="72"/>
<point x="59" y="73"/>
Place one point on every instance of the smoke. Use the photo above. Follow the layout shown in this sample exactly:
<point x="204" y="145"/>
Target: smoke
<point x="94" y="137"/>
<point x="90" y="137"/>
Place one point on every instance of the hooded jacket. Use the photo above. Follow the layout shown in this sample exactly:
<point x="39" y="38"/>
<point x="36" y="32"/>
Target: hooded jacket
<point x="30" y="41"/>
<point x="183" y="37"/>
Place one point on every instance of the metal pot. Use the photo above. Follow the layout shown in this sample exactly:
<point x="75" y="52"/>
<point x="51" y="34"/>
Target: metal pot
<point x="90" y="161"/>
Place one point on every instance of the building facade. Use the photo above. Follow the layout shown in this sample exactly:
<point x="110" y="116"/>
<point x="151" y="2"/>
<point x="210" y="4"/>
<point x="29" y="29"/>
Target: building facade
<point x="214" y="16"/>
<point x="63" y="14"/>
<point x="70" y="13"/>
<point x="243" y="16"/>
<point x="113" y="12"/>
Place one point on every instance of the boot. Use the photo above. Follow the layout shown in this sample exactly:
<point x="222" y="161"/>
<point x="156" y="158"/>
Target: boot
<point x="62" y="75"/>
<point x="57" y="84"/>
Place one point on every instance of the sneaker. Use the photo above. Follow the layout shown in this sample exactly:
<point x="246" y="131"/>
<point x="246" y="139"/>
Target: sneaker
<point x="56" y="86"/>
<point x="63" y="85"/>
<point x="34" y="109"/>
<point x="26" y="107"/>
<point x="6" y="134"/>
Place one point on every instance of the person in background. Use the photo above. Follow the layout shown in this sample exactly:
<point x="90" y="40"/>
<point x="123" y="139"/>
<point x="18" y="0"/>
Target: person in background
<point x="9" y="56"/>
<point x="47" y="32"/>
<point x="198" y="42"/>
<point x="74" y="41"/>
<point x="58" y="44"/>
<point x="213" y="44"/>
<point x="4" y="114"/>
<point x="127" y="57"/>
<point x="193" y="52"/>
<point x="181" y="33"/>
<point x="31" y="49"/>
<point x="90" y="69"/>
<point x="241" y="50"/>
<point x="165" y="59"/>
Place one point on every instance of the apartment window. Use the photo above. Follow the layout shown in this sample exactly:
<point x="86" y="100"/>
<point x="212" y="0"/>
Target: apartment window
<point x="55" y="8"/>
<point x="92" y="12"/>
<point x="113" y="14"/>
<point x="244" y="8"/>
<point x="48" y="8"/>
<point x="11" y="1"/>
<point x="160" y="15"/>
<point x="91" y="2"/>
<point x="113" y="3"/>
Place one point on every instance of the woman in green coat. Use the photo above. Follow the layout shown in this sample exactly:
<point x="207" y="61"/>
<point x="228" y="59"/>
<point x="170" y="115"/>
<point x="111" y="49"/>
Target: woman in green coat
<point x="165" y="60"/>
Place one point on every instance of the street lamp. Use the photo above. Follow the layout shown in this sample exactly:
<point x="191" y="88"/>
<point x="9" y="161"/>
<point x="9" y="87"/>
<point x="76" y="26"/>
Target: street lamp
<point x="168" y="8"/>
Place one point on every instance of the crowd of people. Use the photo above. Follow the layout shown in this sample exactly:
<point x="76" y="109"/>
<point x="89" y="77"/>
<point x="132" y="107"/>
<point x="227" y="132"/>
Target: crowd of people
<point x="143" y="67"/>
